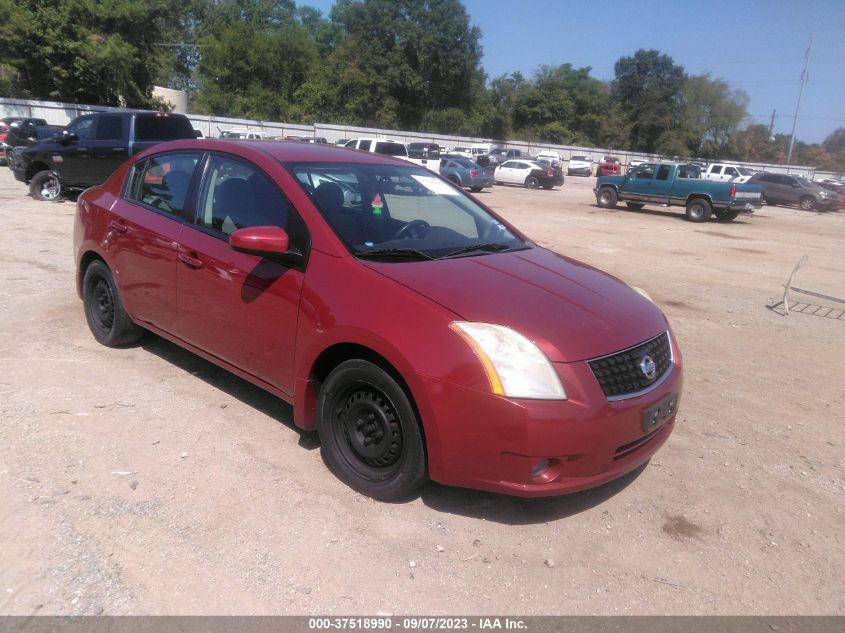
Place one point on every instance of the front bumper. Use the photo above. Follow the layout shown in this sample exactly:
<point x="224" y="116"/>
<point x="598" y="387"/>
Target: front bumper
<point x="583" y="171"/>
<point x="492" y="443"/>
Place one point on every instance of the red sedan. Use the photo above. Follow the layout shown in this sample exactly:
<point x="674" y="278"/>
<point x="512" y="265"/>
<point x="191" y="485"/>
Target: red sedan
<point x="417" y="331"/>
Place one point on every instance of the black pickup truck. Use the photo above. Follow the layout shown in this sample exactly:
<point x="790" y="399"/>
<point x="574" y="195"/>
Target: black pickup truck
<point x="91" y="147"/>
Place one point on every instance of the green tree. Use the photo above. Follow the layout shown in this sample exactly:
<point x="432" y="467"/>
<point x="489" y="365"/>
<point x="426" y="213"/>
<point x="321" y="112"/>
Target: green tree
<point x="395" y="61"/>
<point x="84" y="51"/>
<point x="648" y="87"/>
<point x="711" y="115"/>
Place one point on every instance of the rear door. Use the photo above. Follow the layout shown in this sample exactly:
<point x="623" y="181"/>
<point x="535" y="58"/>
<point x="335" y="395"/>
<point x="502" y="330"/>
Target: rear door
<point x="109" y="147"/>
<point x="146" y="226"/>
<point x="238" y="307"/>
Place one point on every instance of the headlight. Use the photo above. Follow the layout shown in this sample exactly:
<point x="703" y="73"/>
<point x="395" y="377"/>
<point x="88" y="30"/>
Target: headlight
<point x="515" y="366"/>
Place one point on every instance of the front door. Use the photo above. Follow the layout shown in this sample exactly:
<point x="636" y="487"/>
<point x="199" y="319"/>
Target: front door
<point x="239" y="307"/>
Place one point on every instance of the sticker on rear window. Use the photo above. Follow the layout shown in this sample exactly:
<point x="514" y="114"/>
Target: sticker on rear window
<point x="435" y="185"/>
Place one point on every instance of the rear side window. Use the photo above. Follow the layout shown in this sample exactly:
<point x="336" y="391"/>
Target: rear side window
<point x="663" y="172"/>
<point x="109" y="128"/>
<point x="716" y="170"/>
<point x="162" y="182"/>
<point x="162" y="128"/>
<point x="390" y="149"/>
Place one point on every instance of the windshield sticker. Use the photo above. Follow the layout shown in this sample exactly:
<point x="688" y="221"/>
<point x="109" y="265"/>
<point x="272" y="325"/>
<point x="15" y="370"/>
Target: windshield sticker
<point x="435" y="185"/>
<point x="377" y="204"/>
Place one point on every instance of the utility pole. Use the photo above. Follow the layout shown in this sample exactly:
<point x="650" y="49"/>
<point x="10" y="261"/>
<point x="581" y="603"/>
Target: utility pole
<point x="772" y="123"/>
<point x="804" y="76"/>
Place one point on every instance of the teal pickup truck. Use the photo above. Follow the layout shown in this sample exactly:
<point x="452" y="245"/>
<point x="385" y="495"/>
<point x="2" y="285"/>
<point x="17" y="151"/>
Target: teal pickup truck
<point x="677" y="184"/>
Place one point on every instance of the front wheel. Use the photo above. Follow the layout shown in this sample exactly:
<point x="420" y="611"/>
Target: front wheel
<point x="531" y="182"/>
<point x="698" y="210"/>
<point x="104" y="311"/>
<point x="726" y="215"/>
<point x="808" y="203"/>
<point x="607" y="198"/>
<point x="46" y="186"/>
<point x="369" y="432"/>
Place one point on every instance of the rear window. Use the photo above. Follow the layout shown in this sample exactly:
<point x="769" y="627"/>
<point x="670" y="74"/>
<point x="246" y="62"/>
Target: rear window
<point x="584" y="158"/>
<point x="162" y="128"/>
<point x="391" y="149"/>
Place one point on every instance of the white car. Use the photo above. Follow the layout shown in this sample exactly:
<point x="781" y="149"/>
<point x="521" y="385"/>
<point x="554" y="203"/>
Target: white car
<point x="524" y="172"/>
<point x="724" y="172"/>
<point x="581" y="164"/>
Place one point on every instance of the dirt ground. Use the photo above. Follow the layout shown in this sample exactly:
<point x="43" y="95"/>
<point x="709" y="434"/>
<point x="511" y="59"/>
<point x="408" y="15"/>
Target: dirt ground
<point x="147" y="481"/>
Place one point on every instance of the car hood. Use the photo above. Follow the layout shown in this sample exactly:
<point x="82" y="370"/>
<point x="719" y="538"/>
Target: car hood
<point x="570" y="310"/>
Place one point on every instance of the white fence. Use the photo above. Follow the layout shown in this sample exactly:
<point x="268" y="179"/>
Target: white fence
<point x="57" y="113"/>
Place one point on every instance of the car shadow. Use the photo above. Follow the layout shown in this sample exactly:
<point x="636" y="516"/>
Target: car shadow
<point x="676" y="213"/>
<point x="230" y="384"/>
<point x="510" y="510"/>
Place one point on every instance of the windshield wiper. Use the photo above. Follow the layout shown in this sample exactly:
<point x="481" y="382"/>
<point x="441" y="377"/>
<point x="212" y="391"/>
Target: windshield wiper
<point x="483" y="248"/>
<point x="394" y="253"/>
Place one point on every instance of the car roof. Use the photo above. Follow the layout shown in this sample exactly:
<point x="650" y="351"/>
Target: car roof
<point x="284" y="151"/>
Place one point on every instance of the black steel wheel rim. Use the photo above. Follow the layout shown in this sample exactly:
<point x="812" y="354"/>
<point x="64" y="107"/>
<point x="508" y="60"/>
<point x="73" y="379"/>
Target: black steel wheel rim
<point x="368" y="431"/>
<point x="101" y="305"/>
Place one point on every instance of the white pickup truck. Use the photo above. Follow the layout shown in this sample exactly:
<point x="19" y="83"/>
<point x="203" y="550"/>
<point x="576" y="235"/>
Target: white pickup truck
<point x="390" y="147"/>
<point x="726" y="172"/>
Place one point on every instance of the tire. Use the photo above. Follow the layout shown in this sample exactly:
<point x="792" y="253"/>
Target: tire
<point x="107" y="319"/>
<point x="547" y="187"/>
<point x="476" y="189"/>
<point x="808" y="203"/>
<point x="763" y="200"/>
<point x="46" y="186"/>
<point x="726" y="215"/>
<point x="370" y="435"/>
<point x="531" y="182"/>
<point x="698" y="210"/>
<point x="455" y="180"/>
<point x="607" y="198"/>
<point x="636" y="206"/>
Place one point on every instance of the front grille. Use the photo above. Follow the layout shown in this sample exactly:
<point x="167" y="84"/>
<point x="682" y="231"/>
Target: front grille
<point x="620" y="375"/>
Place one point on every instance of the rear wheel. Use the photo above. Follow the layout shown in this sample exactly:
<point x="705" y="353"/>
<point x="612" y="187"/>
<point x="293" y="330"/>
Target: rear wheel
<point x="607" y="198"/>
<point x="698" y="210"/>
<point x="46" y="186"/>
<point x="548" y="186"/>
<point x="531" y="182"/>
<point x="808" y="203"/>
<point x="476" y="189"/>
<point x="726" y="215"/>
<point x="636" y="206"/>
<point x="369" y="432"/>
<point x="455" y="180"/>
<point x="104" y="311"/>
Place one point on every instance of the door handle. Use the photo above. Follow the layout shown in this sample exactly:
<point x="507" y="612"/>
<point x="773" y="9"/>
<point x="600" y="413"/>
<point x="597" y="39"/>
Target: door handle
<point x="118" y="226"/>
<point x="191" y="262"/>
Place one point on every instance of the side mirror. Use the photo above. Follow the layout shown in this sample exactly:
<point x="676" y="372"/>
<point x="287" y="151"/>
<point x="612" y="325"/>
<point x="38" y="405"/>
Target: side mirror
<point x="66" y="138"/>
<point x="265" y="241"/>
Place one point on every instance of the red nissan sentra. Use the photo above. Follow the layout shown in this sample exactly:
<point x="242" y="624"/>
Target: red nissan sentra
<point x="421" y="334"/>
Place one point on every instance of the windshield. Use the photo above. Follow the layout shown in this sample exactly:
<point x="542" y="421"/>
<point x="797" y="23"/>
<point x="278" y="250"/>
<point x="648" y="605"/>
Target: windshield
<point x="744" y="171"/>
<point x="804" y="182"/>
<point x="581" y="158"/>
<point x="399" y="213"/>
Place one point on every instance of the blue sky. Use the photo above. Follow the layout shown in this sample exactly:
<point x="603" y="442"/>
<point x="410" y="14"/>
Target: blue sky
<point x="755" y="45"/>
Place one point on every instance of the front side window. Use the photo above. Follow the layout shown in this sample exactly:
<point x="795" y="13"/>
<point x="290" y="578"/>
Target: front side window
<point x="396" y="212"/>
<point x="162" y="181"/>
<point x="645" y="171"/>
<point x="236" y="195"/>
<point x="663" y="172"/>
<point x="83" y="127"/>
